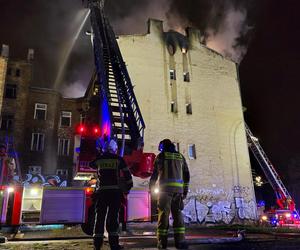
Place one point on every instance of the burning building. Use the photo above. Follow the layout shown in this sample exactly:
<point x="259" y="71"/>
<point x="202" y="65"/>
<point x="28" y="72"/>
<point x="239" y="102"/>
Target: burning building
<point x="186" y="92"/>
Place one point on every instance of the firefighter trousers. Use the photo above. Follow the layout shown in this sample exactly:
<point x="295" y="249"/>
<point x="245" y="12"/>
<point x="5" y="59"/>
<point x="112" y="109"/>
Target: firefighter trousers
<point x="108" y="204"/>
<point x="170" y="202"/>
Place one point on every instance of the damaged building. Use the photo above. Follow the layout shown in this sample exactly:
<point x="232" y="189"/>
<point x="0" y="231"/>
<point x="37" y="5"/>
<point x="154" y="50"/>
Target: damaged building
<point x="186" y="92"/>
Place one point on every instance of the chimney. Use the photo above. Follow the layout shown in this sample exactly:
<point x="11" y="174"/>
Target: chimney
<point x="5" y="50"/>
<point x="155" y="26"/>
<point x="30" y="55"/>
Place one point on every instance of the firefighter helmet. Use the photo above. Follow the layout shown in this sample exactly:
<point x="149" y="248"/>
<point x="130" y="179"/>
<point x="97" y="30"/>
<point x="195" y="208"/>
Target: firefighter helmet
<point x="111" y="146"/>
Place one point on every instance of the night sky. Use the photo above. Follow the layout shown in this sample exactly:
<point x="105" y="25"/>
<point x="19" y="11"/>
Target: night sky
<point x="267" y="47"/>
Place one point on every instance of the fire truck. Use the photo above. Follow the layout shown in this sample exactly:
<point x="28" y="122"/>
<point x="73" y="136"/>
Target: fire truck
<point x="286" y="214"/>
<point x="113" y="112"/>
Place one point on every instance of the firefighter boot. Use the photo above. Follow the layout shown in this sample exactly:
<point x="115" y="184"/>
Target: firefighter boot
<point x="182" y="245"/>
<point x="114" y="242"/>
<point x="98" y="242"/>
<point x="162" y="242"/>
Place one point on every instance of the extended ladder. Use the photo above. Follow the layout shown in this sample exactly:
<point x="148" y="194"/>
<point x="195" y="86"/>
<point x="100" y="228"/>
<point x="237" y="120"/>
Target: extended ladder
<point x="114" y="84"/>
<point x="266" y="165"/>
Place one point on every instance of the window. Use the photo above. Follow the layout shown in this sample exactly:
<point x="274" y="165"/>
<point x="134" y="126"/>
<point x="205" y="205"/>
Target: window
<point x="7" y="122"/>
<point x="40" y="111"/>
<point x="9" y="71"/>
<point x="11" y="91"/>
<point x="189" y="108"/>
<point x="173" y="107"/>
<point x="65" y="118"/>
<point x="34" y="170"/>
<point x="192" y="151"/>
<point x="62" y="172"/>
<point x="186" y="76"/>
<point x="63" y="146"/>
<point x="18" y="72"/>
<point x="37" y="142"/>
<point x="172" y="74"/>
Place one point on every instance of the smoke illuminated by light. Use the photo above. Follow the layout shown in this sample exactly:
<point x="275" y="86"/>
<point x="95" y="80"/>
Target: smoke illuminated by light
<point x="85" y="14"/>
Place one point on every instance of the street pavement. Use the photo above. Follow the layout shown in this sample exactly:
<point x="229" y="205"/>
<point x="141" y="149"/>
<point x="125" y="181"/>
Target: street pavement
<point x="141" y="236"/>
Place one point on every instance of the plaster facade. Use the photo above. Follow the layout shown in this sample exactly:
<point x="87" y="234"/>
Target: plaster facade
<point x="221" y="179"/>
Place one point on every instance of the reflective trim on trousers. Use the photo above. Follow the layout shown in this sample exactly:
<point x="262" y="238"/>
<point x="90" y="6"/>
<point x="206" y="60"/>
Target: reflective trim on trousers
<point x="179" y="230"/>
<point x="98" y="236"/>
<point x="162" y="231"/>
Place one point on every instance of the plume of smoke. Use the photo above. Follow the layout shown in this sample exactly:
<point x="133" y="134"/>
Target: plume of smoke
<point x="134" y="22"/>
<point x="226" y="39"/>
<point x="73" y="90"/>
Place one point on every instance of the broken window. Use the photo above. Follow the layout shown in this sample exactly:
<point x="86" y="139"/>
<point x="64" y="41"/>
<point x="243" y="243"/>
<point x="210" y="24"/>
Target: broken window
<point x="40" y="111"/>
<point x="186" y="76"/>
<point x="7" y="122"/>
<point x="10" y="91"/>
<point x="37" y="142"/>
<point x="192" y="151"/>
<point x="65" y="118"/>
<point x="63" y="146"/>
<point x="189" y="108"/>
<point x="172" y="74"/>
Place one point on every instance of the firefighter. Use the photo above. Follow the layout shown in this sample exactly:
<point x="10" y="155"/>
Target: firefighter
<point x="172" y="173"/>
<point x="109" y="192"/>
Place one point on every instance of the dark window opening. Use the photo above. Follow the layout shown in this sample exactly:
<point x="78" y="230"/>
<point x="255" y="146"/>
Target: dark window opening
<point x="189" y="108"/>
<point x="186" y="77"/>
<point x="11" y="91"/>
<point x="7" y="122"/>
<point x="9" y="71"/>
<point x="18" y="72"/>
<point x="40" y="111"/>
<point x="173" y="107"/>
<point x="65" y="119"/>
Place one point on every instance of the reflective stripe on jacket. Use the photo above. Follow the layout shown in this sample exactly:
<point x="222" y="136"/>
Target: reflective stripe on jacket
<point x="171" y="172"/>
<point x="112" y="173"/>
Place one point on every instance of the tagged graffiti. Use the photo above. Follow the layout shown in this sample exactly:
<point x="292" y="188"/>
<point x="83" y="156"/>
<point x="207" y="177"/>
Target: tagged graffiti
<point x="51" y="180"/>
<point x="219" y="207"/>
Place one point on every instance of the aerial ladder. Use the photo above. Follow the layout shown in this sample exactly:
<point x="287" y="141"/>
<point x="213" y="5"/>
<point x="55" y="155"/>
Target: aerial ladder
<point x="113" y="106"/>
<point x="283" y="197"/>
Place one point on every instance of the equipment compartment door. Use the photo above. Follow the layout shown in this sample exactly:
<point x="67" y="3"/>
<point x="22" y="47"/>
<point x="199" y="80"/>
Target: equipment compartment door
<point x="63" y="206"/>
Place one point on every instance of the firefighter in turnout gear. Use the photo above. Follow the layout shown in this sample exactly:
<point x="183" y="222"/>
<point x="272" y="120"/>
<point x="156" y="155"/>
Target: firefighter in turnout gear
<point x="172" y="174"/>
<point x="111" y="169"/>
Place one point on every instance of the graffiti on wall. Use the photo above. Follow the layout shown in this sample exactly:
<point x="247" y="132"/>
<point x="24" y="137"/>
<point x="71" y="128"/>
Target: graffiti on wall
<point x="219" y="206"/>
<point x="51" y="180"/>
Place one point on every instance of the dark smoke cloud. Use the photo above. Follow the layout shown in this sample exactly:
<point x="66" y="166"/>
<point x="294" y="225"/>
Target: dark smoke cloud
<point x="48" y="26"/>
